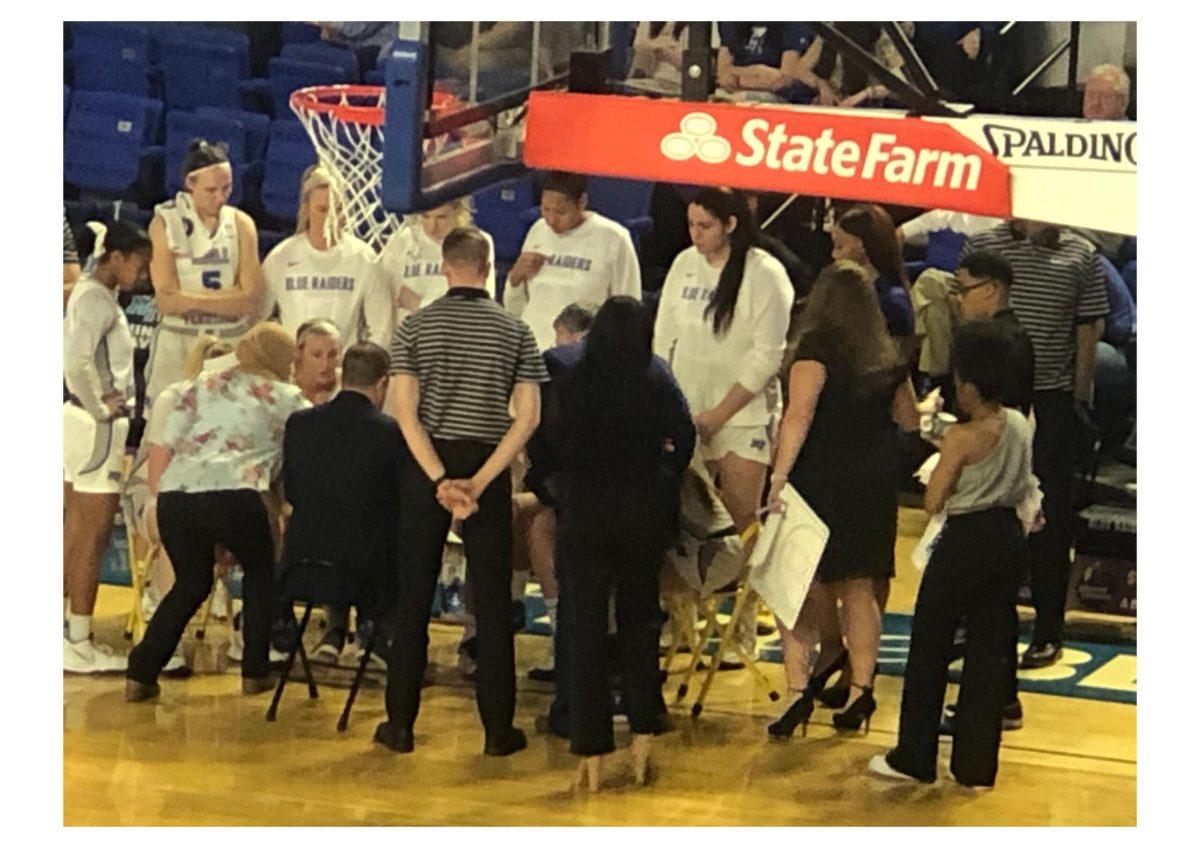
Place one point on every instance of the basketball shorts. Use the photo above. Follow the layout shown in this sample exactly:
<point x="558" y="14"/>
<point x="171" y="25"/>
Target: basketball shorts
<point x="755" y="443"/>
<point x="93" y="451"/>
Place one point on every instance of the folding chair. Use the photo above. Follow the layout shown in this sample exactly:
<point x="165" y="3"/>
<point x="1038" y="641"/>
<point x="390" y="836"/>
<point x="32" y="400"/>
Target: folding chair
<point x="318" y="582"/>
<point x="690" y="599"/>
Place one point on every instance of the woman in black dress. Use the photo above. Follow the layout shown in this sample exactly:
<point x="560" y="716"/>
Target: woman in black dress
<point x="848" y="390"/>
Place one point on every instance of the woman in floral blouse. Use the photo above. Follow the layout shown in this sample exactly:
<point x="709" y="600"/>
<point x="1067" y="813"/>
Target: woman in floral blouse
<point x="220" y="450"/>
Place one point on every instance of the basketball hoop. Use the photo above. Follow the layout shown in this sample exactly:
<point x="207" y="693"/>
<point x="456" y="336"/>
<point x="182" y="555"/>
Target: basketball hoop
<point x="345" y="124"/>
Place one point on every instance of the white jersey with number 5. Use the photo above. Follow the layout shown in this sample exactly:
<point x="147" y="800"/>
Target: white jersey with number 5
<point x="204" y="261"/>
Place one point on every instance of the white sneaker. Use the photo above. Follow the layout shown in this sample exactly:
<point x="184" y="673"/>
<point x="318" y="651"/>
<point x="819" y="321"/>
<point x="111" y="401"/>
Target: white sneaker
<point x="175" y="663"/>
<point x="879" y="767"/>
<point x="87" y="657"/>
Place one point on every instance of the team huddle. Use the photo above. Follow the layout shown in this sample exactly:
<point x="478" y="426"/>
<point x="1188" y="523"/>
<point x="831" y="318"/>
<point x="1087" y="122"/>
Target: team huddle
<point x="333" y="406"/>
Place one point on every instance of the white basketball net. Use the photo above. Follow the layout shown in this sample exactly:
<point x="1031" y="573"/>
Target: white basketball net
<point x="352" y="151"/>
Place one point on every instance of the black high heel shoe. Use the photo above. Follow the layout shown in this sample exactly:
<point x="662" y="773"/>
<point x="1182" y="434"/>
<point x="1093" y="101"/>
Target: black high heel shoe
<point x="853" y="717"/>
<point x="833" y="697"/>
<point x="799" y="712"/>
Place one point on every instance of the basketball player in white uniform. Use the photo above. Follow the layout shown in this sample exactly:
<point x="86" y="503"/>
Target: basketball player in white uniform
<point x="205" y="269"/>
<point x="98" y="368"/>
<point x="571" y="255"/>
<point x="412" y="259"/>
<point x="324" y="272"/>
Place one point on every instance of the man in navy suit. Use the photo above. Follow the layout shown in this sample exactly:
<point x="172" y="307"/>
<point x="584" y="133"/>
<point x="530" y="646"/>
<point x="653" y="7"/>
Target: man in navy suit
<point x="341" y="466"/>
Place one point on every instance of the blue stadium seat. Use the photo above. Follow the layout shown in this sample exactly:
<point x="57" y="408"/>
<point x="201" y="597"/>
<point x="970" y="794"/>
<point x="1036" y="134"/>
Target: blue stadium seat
<point x="107" y="147"/>
<point x="256" y="125"/>
<point x="324" y="54"/>
<point x="287" y="76"/>
<point x="499" y="211"/>
<point x="97" y="72"/>
<point x="625" y="201"/>
<point x="944" y="248"/>
<point x="202" y="70"/>
<point x="119" y="41"/>
<point x="66" y="103"/>
<point x="183" y="127"/>
<point x="289" y="152"/>
<point x="294" y="32"/>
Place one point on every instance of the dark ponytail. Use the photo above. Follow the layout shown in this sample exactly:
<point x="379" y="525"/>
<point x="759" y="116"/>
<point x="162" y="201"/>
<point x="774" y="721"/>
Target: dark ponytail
<point x="723" y="204"/>
<point x="203" y="154"/>
<point x="119" y="236"/>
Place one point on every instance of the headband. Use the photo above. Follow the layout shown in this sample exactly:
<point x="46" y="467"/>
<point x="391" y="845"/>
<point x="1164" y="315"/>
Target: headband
<point x="101" y="231"/>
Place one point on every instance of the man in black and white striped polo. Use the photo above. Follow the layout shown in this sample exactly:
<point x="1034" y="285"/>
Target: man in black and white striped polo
<point x="1061" y="299"/>
<point x="457" y="365"/>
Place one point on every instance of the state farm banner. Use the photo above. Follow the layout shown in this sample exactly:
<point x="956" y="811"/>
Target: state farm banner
<point x="905" y="161"/>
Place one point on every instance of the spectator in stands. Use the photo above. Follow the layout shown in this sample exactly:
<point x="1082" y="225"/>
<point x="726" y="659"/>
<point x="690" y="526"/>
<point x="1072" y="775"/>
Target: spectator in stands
<point x="212" y="491"/>
<point x="325" y="271"/>
<point x="984" y="472"/>
<point x="866" y="235"/>
<point x="571" y="255"/>
<point x="205" y="270"/>
<point x="943" y="233"/>
<point x="98" y="371"/>
<point x="621" y="439"/>
<point x="318" y="355"/>
<point x="875" y="94"/>
<point x="722" y="325"/>
<point x="1106" y="94"/>
<point x="1058" y="293"/>
<point x="658" y="52"/>
<point x="459" y="366"/>
<point x="71" y="269"/>
<point x="962" y="59"/>
<point x="412" y="259"/>
<point x="771" y="62"/>
<point x="341" y="474"/>
<point x="848" y="391"/>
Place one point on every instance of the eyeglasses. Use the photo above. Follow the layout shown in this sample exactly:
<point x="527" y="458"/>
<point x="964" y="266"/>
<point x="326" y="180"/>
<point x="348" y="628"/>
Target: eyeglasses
<point x="960" y="289"/>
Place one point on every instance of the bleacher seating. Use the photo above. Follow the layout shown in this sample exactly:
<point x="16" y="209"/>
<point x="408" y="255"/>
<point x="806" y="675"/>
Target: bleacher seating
<point x="289" y="152"/>
<point x="120" y="41"/>
<point x="256" y="125"/>
<point x="501" y="211"/>
<point x="295" y="32"/>
<point x="625" y="201"/>
<point x="202" y="67"/>
<point x="286" y="76"/>
<point x="111" y="143"/>
<point x="96" y="72"/>
<point x="321" y="53"/>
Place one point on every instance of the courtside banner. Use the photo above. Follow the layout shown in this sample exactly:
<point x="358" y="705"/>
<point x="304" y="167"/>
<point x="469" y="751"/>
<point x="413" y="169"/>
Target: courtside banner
<point x="904" y="161"/>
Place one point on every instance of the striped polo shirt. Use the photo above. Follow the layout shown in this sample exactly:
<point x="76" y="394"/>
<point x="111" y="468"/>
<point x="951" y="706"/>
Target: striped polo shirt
<point x="1054" y="290"/>
<point x="467" y="353"/>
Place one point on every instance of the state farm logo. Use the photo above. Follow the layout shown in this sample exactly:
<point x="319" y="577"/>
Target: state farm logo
<point x="774" y="147"/>
<point x="697" y="137"/>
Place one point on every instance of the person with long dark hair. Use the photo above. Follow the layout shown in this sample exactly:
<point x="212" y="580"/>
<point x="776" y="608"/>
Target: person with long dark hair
<point x="866" y="235"/>
<point x="722" y="325"/>
<point x="847" y="391"/>
<point x="621" y="436"/>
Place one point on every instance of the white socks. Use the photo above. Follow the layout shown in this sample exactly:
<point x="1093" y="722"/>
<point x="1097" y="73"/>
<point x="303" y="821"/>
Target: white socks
<point x="79" y="627"/>
<point x="552" y="612"/>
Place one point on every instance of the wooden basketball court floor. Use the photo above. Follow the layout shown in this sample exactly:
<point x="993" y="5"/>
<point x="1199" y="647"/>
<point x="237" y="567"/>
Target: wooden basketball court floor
<point x="204" y="755"/>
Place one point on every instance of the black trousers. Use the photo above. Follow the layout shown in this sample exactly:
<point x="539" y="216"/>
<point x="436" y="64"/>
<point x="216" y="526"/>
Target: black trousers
<point x="487" y="538"/>
<point x="191" y="525"/>
<point x="1056" y="446"/>
<point x="973" y="573"/>
<point x="595" y="556"/>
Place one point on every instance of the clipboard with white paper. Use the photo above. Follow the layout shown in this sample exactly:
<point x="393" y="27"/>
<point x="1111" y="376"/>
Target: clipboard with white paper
<point x="786" y="555"/>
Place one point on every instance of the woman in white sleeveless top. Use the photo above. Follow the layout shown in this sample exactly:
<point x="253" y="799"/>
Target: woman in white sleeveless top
<point x="413" y="257"/>
<point x="324" y="272"/>
<point x="205" y="271"/>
